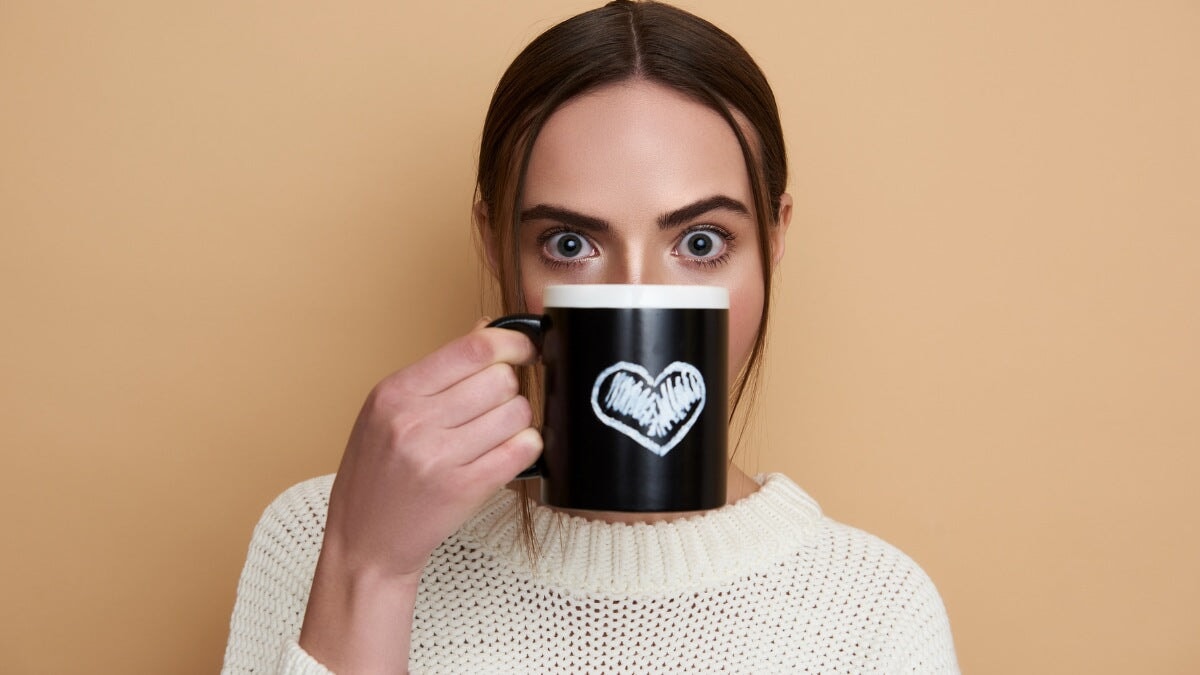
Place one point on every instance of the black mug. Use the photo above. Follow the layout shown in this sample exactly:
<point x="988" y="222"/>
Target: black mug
<point x="635" y="396"/>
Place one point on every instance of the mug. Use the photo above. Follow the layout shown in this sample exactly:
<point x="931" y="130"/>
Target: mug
<point x="635" y="396"/>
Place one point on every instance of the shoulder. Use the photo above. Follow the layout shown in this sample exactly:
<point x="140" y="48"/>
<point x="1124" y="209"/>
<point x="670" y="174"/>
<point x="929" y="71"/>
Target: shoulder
<point x="845" y="553"/>
<point x="866" y="564"/>
<point x="304" y="500"/>
<point x="908" y="613"/>
<point x="861" y="579"/>
<point x="273" y="588"/>
<point x="295" y="520"/>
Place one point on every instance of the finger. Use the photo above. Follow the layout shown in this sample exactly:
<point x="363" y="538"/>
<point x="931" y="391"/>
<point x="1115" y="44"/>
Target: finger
<point x="502" y="463"/>
<point x="491" y="429"/>
<point x="476" y="395"/>
<point x="466" y="356"/>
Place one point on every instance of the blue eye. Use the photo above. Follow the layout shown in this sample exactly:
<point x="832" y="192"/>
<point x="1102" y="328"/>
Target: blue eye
<point x="702" y="244"/>
<point x="567" y="246"/>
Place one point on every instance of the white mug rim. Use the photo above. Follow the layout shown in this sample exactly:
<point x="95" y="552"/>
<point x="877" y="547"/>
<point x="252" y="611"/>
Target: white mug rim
<point x="636" y="296"/>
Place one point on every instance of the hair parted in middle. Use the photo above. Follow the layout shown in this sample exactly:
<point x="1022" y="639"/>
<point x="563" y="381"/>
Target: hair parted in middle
<point x="623" y="41"/>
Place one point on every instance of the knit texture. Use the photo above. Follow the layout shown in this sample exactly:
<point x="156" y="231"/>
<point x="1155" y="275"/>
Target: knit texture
<point x="766" y="585"/>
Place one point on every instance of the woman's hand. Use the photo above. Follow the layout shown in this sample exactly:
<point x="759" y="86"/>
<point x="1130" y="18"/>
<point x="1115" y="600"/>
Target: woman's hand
<point x="432" y="443"/>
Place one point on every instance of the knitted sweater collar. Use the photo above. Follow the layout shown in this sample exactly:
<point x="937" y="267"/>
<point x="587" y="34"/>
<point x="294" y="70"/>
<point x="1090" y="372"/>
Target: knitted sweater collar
<point x="582" y="555"/>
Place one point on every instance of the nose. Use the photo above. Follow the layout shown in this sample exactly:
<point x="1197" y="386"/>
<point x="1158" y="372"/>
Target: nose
<point x="637" y="264"/>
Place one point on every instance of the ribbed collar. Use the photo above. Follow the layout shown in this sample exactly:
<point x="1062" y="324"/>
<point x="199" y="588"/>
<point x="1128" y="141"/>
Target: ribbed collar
<point x="650" y="558"/>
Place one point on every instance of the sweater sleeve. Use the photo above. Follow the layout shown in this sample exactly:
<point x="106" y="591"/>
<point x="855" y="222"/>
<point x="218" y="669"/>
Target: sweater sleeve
<point x="273" y="590"/>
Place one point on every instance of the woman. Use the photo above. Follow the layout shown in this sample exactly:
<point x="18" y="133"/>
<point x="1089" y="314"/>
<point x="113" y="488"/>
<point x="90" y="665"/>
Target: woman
<point x="603" y="125"/>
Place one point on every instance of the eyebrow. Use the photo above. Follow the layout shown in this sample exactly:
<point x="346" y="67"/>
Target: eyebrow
<point x="699" y="208"/>
<point x="564" y="216"/>
<point x="665" y="222"/>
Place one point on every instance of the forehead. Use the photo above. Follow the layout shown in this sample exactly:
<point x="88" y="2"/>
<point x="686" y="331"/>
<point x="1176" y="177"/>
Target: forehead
<point x="632" y="149"/>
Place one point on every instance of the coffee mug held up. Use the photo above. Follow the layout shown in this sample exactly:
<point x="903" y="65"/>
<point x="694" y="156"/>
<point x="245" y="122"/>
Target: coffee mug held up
<point x="635" y="396"/>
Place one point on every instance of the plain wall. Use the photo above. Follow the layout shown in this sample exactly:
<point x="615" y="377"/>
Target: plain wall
<point x="222" y="222"/>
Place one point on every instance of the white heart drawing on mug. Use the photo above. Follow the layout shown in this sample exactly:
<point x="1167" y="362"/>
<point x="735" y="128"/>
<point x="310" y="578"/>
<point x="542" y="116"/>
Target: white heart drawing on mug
<point x="657" y="412"/>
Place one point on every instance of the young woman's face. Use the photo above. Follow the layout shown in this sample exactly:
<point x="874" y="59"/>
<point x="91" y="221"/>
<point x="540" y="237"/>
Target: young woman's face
<point x="636" y="183"/>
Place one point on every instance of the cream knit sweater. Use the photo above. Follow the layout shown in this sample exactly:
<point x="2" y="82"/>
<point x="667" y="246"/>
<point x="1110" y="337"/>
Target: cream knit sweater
<point x="766" y="585"/>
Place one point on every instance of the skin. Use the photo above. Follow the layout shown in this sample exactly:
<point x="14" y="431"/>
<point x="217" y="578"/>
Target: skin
<point x="435" y="440"/>
<point x="626" y="156"/>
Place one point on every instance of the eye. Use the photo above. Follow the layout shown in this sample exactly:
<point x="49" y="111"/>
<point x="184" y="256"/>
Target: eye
<point x="703" y="244"/>
<point x="567" y="246"/>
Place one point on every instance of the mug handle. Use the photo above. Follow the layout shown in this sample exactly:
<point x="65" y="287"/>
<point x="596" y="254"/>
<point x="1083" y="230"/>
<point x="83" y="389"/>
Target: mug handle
<point x="534" y="328"/>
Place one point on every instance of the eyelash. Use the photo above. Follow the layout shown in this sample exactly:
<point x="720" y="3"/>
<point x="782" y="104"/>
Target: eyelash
<point x="721" y="232"/>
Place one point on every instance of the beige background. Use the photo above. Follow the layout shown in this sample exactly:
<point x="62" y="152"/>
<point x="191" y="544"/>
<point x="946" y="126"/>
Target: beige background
<point x="221" y="222"/>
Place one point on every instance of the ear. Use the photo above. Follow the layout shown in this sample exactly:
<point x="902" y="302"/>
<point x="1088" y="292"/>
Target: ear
<point x="779" y="232"/>
<point x="487" y="237"/>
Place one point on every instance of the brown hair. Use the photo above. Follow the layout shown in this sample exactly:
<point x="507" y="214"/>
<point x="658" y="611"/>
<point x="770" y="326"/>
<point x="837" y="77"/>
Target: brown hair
<point x="620" y="41"/>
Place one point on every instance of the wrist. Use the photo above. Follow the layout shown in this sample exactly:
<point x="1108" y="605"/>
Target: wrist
<point x="359" y="617"/>
<point x="339" y="562"/>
